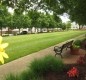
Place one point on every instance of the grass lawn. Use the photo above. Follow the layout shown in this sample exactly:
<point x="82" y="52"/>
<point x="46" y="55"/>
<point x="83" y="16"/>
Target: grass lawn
<point x="26" y="44"/>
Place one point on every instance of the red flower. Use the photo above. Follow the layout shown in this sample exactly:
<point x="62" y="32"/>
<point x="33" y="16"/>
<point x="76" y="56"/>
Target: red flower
<point x="73" y="72"/>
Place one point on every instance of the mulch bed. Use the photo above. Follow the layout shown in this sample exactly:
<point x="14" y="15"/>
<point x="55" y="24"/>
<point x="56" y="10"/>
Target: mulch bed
<point x="64" y="76"/>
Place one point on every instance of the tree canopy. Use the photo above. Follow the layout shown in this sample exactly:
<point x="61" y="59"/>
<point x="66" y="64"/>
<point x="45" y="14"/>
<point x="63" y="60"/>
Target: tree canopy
<point x="75" y="8"/>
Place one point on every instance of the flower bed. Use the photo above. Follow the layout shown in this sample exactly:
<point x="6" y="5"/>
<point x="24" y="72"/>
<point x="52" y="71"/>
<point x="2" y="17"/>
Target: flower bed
<point x="51" y="68"/>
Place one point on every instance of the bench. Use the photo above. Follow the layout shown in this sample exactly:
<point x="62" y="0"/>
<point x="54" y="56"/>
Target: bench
<point x="58" y="50"/>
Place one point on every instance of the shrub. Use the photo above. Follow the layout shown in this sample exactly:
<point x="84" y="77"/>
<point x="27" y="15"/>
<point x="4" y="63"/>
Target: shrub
<point x="46" y="64"/>
<point x="84" y="39"/>
<point x="38" y="68"/>
<point x="12" y="77"/>
<point x="28" y="75"/>
<point x="77" y="44"/>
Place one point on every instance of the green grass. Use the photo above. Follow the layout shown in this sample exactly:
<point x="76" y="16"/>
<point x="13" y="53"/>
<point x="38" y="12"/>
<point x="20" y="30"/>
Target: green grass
<point x="22" y="45"/>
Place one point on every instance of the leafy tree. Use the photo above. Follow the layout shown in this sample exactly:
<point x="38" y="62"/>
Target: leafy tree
<point x="63" y="26"/>
<point x="51" y="22"/>
<point x="26" y="21"/>
<point x="3" y="15"/>
<point x="34" y="15"/>
<point x="18" y="21"/>
<point x="68" y="25"/>
<point x="75" y="8"/>
<point x="58" y="21"/>
<point x="42" y="21"/>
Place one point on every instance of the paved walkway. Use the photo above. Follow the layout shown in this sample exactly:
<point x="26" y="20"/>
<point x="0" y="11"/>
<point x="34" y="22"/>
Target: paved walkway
<point x="21" y="64"/>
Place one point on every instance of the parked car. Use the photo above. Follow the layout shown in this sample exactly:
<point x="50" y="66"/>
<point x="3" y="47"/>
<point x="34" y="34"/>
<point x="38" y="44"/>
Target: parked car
<point x="24" y="32"/>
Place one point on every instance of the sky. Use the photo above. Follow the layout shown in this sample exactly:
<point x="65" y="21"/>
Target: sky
<point x="10" y="10"/>
<point x="65" y="18"/>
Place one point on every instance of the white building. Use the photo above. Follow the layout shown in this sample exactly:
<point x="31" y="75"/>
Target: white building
<point x="74" y="26"/>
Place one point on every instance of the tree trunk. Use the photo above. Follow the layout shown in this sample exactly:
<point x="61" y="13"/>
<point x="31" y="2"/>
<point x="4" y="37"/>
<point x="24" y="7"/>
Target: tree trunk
<point x="37" y="30"/>
<point x="79" y="27"/>
<point x="47" y="30"/>
<point x="1" y="31"/>
<point x="40" y="30"/>
<point x="52" y="29"/>
<point x="19" y="30"/>
<point x="8" y="31"/>
<point x="30" y="29"/>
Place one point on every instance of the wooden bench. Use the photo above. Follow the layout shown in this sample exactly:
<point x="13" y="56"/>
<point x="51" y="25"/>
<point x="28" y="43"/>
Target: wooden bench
<point x="58" y="50"/>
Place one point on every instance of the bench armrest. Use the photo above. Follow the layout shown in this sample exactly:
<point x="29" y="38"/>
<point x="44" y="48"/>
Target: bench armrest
<point x="57" y="48"/>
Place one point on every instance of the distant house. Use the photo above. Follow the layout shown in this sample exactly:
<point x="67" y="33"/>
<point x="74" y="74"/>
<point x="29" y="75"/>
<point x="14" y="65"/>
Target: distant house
<point x="83" y="27"/>
<point x="74" y="26"/>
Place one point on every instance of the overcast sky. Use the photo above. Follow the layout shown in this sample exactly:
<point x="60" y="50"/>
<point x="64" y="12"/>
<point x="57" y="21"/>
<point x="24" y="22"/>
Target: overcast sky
<point x="64" y="19"/>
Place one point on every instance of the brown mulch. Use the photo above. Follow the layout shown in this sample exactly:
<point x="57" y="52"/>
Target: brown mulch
<point x="64" y="76"/>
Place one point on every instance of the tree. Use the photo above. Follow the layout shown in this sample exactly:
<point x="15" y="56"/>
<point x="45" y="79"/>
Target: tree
<point x="3" y="14"/>
<point x="58" y="21"/>
<point x="42" y="21"/>
<point x="51" y="22"/>
<point x="26" y="23"/>
<point x="68" y="25"/>
<point x="34" y="15"/>
<point x="63" y="26"/>
<point x="18" y="21"/>
<point x="75" y="8"/>
<point x="9" y="22"/>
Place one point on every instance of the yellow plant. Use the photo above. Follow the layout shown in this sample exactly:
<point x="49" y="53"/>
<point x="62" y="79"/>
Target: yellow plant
<point x="2" y="51"/>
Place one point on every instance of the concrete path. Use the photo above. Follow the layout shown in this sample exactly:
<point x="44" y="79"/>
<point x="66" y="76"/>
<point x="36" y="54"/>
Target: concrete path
<point x="21" y="64"/>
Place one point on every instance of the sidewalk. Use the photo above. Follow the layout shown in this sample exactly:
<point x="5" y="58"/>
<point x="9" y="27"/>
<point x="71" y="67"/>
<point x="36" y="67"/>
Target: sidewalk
<point x="21" y="64"/>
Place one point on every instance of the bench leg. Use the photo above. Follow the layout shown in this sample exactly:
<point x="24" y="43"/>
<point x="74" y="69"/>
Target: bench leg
<point x="55" y="54"/>
<point x="60" y="55"/>
<point x="66" y="48"/>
